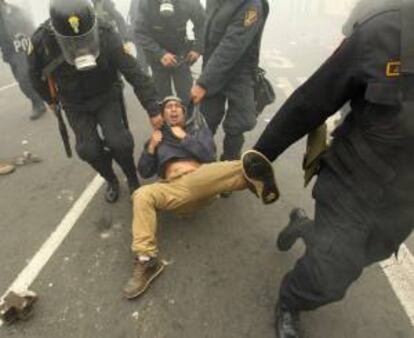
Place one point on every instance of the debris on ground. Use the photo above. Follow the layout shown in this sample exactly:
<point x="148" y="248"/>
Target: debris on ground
<point x="7" y="166"/>
<point x="6" y="169"/>
<point x="17" y="306"/>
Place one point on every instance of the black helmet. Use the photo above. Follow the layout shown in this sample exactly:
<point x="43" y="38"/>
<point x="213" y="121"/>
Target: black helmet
<point x="74" y="23"/>
<point x="72" y="17"/>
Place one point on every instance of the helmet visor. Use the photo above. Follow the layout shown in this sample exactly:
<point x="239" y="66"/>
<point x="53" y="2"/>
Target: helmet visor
<point x="80" y="51"/>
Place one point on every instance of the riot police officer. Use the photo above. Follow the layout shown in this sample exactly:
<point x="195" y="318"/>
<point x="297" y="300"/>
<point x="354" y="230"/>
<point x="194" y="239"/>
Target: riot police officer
<point x="133" y="12"/>
<point x="83" y="56"/>
<point x="365" y="189"/>
<point x="232" y="46"/>
<point x="106" y="10"/>
<point x="161" y="29"/>
<point x="15" y="30"/>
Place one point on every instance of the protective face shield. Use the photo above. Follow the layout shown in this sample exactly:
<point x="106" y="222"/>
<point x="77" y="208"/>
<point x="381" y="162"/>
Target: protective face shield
<point x="76" y="30"/>
<point x="167" y="8"/>
<point x="80" y="51"/>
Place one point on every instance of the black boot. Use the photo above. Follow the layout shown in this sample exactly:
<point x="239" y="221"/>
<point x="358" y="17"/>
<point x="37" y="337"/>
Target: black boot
<point x="287" y="323"/>
<point x="38" y="109"/>
<point x="112" y="191"/>
<point x="294" y="230"/>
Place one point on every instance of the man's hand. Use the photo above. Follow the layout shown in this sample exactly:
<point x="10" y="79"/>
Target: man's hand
<point x="192" y="56"/>
<point x="169" y="60"/>
<point x="197" y="94"/>
<point x="157" y="121"/>
<point x="130" y="49"/>
<point x="155" y="140"/>
<point x="179" y="132"/>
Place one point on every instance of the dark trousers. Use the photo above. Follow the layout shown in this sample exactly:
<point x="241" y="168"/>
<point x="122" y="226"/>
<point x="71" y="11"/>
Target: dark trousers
<point x="238" y="118"/>
<point x="347" y="235"/>
<point x="20" y="70"/>
<point x="180" y="76"/>
<point x="117" y="142"/>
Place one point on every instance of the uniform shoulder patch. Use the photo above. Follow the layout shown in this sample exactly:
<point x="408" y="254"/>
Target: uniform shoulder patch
<point x="393" y="69"/>
<point x="251" y="16"/>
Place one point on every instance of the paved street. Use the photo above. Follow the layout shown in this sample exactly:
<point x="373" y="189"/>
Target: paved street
<point x="223" y="267"/>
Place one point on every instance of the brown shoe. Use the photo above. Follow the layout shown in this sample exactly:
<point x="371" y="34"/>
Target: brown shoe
<point x="143" y="274"/>
<point x="258" y="172"/>
<point x="6" y="168"/>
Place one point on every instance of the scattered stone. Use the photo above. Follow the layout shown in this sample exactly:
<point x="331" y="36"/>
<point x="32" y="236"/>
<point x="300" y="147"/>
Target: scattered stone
<point x="17" y="306"/>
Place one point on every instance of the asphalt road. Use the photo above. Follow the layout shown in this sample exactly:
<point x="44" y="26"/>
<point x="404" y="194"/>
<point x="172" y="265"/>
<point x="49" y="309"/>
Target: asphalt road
<point x="223" y="268"/>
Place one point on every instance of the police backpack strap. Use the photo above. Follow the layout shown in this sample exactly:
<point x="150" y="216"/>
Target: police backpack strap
<point x="52" y="66"/>
<point x="407" y="64"/>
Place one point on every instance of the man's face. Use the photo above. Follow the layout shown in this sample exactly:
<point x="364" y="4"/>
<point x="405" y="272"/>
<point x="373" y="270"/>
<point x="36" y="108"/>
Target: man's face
<point x="174" y="114"/>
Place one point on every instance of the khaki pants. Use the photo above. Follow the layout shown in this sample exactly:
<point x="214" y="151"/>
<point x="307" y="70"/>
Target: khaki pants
<point x="183" y="193"/>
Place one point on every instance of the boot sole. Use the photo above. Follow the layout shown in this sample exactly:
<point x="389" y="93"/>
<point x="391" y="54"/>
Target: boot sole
<point x="263" y="182"/>
<point x="140" y="292"/>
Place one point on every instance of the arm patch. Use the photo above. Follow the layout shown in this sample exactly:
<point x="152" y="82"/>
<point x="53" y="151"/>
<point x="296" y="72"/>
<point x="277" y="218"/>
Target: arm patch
<point x="251" y="16"/>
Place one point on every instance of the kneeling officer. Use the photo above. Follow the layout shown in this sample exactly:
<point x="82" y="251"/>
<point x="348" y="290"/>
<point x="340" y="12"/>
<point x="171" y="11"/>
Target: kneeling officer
<point x="84" y="56"/>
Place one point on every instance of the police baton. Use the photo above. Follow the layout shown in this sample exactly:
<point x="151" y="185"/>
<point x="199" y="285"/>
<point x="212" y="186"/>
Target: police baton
<point x="57" y="109"/>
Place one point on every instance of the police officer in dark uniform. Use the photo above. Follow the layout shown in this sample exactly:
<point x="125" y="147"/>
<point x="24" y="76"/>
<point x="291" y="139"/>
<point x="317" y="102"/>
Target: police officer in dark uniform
<point x="232" y="46"/>
<point x="365" y="188"/>
<point x="161" y="29"/>
<point x="15" y="30"/>
<point x="83" y="56"/>
<point x="107" y="11"/>
<point x="133" y="12"/>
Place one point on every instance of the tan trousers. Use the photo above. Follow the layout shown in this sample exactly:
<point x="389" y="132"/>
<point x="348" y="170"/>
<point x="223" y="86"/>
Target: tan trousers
<point x="183" y="193"/>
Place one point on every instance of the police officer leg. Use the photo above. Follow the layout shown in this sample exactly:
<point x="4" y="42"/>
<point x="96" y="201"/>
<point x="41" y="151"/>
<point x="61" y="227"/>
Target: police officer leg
<point x="162" y="79"/>
<point x="19" y="69"/>
<point x="240" y="116"/>
<point x="213" y="110"/>
<point x="119" y="140"/>
<point x="90" y="148"/>
<point x="335" y="255"/>
<point x="183" y="80"/>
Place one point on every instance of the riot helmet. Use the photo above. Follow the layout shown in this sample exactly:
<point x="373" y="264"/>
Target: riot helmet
<point x="167" y="8"/>
<point x="75" y="26"/>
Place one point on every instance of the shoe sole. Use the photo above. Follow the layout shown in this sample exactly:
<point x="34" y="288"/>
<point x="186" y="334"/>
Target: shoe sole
<point x="140" y="292"/>
<point x="264" y="182"/>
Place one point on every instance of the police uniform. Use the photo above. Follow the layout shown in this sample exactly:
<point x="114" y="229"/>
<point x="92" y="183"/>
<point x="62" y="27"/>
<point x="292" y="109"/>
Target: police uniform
<point x="15" y="30"/>
<point x="93" y="98"/>
<point x="106" y="11"/>
<point x="134" y="9"/>
<point x="232" y="47"/>
<point x="159" y="35"/>
<point x="365" y="189"/>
